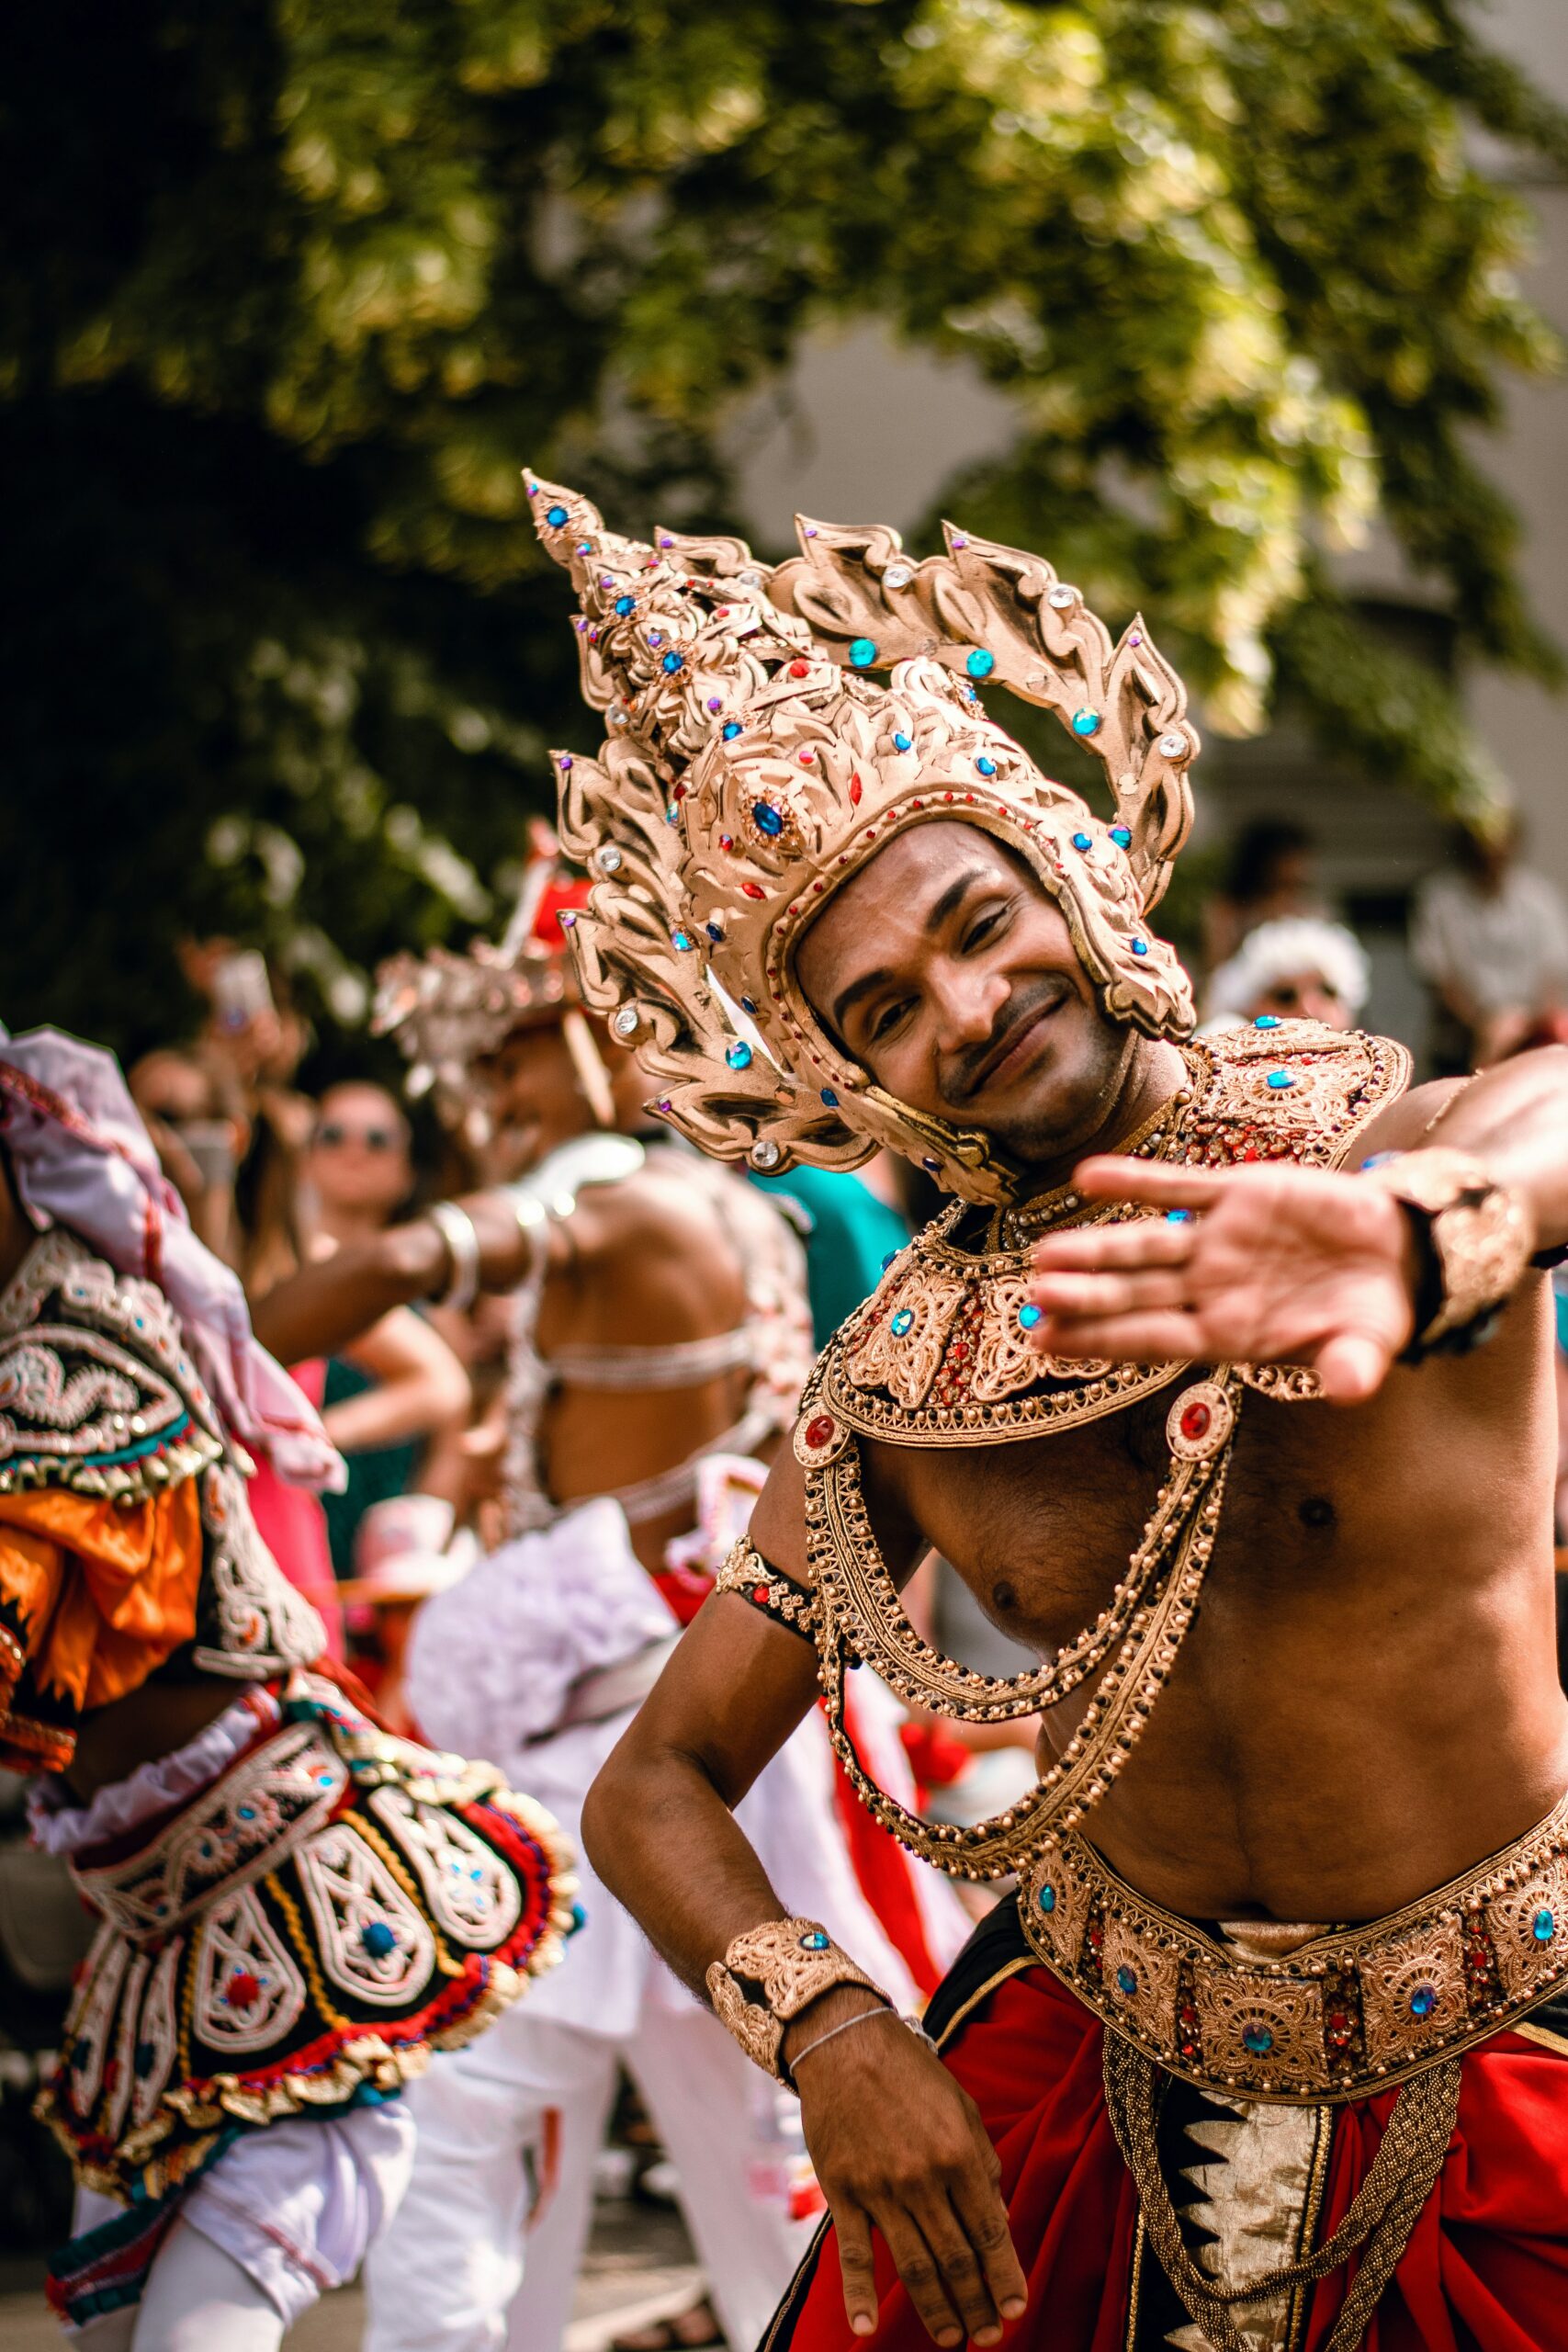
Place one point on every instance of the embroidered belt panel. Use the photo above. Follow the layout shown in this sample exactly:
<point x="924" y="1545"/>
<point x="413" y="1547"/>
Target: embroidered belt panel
<point x="1354" y="2011"/>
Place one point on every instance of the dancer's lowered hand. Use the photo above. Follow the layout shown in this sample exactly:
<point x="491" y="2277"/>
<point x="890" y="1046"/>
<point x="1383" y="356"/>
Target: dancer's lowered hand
<point x="1254" y="1265"/>
<point x="899" y="2147"/>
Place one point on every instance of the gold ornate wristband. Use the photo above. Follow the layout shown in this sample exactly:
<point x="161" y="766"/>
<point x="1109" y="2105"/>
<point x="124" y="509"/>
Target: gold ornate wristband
<point x="1480" y="1234"/>
<point x="769" y="1975"/>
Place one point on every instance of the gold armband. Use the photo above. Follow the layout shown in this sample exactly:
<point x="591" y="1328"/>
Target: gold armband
<point x="769" y="1975"/>
<point x="1479" y="1243"/>
<point x="756" y="1580"/>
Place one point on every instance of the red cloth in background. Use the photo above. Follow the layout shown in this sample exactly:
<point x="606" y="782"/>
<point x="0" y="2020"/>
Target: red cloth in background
<point x="1485" y="2270"/>
<point x="293" y="1526"/>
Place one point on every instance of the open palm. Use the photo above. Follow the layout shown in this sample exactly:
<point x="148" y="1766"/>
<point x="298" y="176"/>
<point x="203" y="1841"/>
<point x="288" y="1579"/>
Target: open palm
<point x="1252" y="1265"/>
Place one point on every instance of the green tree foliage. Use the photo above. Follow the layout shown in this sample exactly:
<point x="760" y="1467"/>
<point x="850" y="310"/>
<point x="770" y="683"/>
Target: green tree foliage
<point x="291" y="289"/>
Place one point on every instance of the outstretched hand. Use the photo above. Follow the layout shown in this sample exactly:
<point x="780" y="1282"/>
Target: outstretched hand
<point x="1258" y="1264"/>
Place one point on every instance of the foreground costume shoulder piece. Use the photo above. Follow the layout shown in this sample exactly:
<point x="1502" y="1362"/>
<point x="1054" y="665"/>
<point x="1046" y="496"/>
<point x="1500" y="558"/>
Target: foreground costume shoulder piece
<point x="115" y="1468"/>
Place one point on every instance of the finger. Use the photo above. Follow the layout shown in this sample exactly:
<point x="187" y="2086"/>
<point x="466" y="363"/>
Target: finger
<point x="962" y="2275"/>
<point x="1146" y="1241"/>
<point x="984" y="2220"/>
<point x="1352" y="1367"/>
<point x="921" y="2274"/>
<point x="1102" y="1294"/>
<point x="857" y="2269"/>
<point x="1112" y="1177"/>
<point x="1150" y="1338"/>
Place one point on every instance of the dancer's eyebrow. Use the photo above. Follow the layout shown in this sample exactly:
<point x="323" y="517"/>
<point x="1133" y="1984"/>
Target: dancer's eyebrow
<point x="950" y="897"/>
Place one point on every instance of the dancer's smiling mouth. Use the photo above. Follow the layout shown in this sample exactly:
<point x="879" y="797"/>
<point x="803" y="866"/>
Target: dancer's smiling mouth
<point x="1042" y="1001"/>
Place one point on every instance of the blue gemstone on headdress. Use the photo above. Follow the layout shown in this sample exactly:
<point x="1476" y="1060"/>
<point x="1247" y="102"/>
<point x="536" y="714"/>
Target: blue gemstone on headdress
<point x="578" y="1918"/>
<point x="731" y="728"/>
<point x="1179" y="1217"/>
<point x="862" y="653"/>
<point x="674" y="661"/>
<point x="679" y="940"/>
<point x="1259" y="2039"/>
<point x="1030" y="1315"/>
<point x="768" y="817"/>
<point x="830" y="1099"/>
<point x="985" y="767"/>
<point x="1267" y="1021"/>
<point x="738" y="1055"/>
<point x="1543" y="1926"/>
<point x="557" y="516"/>
<point x="1046" y="1898"/>
<point x="1140" y="946"/>
<point x="980" y="663"/>
<point x="585" y="546"/>
<point x="815" y="1941"/>
<point x="746" y="1005"/>
<point x="1122" y="837"/>
<point x="1126" y="1981"/>
<point x="1085" y="723"/>
<point x="376" y="1938"/>
<point x="714" y="931"/>
<point x="889" y="1259"/>
<point x="625" y="604"/>
<point x="902" y="743"/>
<point x="898" y="1324"/>
<point x="1423" y="2001"/>
<point x="1279" y="1080"/>
<point x="1082" y="841"/>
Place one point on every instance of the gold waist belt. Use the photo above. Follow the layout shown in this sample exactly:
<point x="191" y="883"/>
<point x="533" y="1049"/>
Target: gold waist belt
<point x="1350" y="2011"/>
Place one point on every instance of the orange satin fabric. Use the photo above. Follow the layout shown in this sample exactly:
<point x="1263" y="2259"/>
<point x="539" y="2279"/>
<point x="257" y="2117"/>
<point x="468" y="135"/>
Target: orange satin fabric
<point x="97" y="1595"/>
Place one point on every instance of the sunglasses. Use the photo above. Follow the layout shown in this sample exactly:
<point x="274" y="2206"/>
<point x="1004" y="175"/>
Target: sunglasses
<point x="331" y="1136"/>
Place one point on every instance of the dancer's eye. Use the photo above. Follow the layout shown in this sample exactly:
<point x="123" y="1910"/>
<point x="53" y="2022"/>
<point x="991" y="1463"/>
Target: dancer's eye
<point x="890" y="1018"/>
<point x="988" y="925"/>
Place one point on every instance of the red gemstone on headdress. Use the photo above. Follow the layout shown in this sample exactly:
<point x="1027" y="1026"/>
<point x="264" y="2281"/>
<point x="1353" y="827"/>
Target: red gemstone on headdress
<point x="800" y="669"/>
<point x="761" y="1595"/>
<point x="1194" y="1421"/>
<point x="727" y="841"/>
<point x="753" y="890"/>
<point x="818" y="1432"/>
<point x="807" y="756"/>
<point x="241" y="1989"/>
<point x="854" y="791"/>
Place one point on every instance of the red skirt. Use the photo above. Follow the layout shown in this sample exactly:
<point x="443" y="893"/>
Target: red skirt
<point x="1486" y="2268"/>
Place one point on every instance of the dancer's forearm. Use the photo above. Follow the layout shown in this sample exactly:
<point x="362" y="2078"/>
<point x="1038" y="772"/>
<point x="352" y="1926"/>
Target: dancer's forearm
<point x="727" y="1702"/>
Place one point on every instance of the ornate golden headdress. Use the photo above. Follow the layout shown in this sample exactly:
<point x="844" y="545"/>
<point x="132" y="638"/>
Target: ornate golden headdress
<point x="752" y="766"/>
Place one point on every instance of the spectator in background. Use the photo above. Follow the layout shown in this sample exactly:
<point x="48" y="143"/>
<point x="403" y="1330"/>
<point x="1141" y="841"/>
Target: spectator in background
<point x="1490" y="939"/>
<point x="197" y="1119"/>
<point x="1271" y="876"/>
<point x="1299" y="968"/>
<point x="395" y="1403"/>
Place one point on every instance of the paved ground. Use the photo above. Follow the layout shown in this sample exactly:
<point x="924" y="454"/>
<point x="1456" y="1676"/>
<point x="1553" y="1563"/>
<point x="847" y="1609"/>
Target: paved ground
<point x="639" y="2266"/>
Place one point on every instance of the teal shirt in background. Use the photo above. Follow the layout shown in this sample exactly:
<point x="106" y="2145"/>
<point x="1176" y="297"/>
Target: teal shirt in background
<point x="847" y="1232"/>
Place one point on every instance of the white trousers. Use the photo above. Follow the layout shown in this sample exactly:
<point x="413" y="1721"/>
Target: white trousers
<point x="462" y="2270"/>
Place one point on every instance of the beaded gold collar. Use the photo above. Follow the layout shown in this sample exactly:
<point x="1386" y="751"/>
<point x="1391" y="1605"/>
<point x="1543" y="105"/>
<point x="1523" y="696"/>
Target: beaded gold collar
<point x="940" y="1356"/>
<point x="940" y="1353"/>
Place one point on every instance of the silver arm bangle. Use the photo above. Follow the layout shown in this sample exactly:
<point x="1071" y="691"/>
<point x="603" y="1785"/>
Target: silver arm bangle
<point x="455" y="1227"/>
<point x="882" y="2010"/>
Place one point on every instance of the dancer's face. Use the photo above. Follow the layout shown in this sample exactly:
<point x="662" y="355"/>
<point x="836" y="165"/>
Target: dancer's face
<point x="531" y="1092"/>
<point x="947" y="972"/>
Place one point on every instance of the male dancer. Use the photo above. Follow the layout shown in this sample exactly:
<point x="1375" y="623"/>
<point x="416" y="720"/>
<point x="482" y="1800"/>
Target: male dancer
<point x="295" y="1908"/>
<point x="1291" y="1924"/>
<point x="658" y="1339"/>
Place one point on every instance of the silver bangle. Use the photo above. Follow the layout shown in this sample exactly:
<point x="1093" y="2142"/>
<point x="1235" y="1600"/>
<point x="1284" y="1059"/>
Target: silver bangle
<point x="532" y="1217"/>
<point x="455" y="1227"/>
<point x="884" y="2009"/>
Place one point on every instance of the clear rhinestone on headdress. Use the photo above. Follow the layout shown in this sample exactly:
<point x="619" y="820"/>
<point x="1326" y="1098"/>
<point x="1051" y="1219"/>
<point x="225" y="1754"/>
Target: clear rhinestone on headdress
<point x="1060" y="598"/>
<point x="1172" y="746"/>
<point x="608" y="859"/>
<point x="897" y="575"/>
<point x="765" y="1154"/>
<point x="624" y="1024"/>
